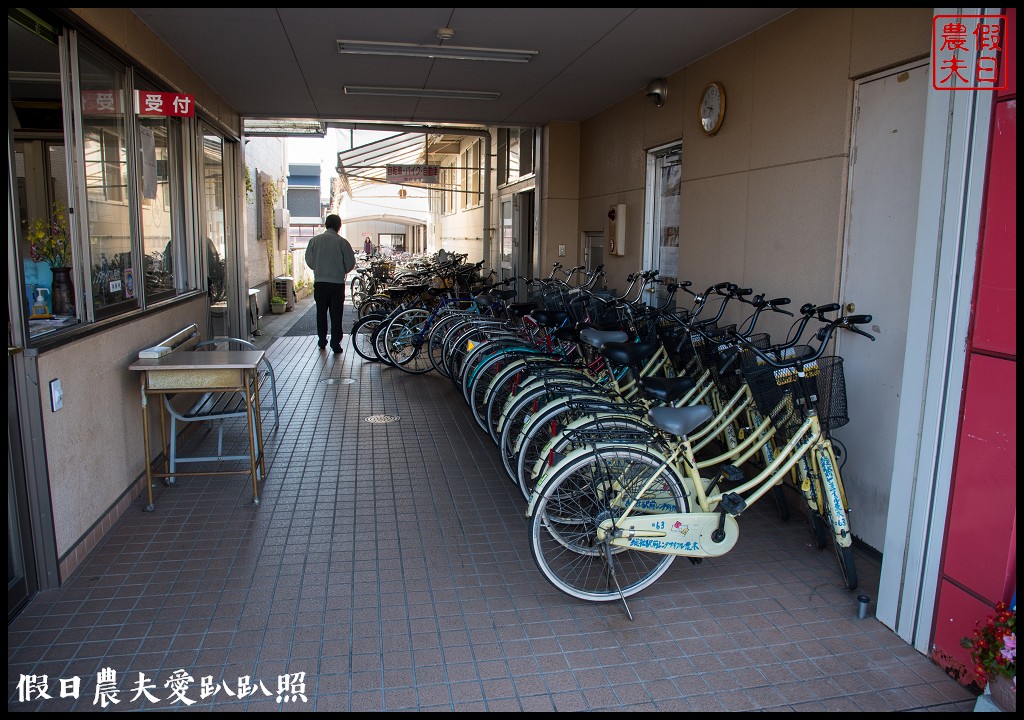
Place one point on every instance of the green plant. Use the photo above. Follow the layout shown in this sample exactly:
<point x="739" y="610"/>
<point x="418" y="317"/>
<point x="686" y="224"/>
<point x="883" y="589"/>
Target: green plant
<point x="248" y="186"/>
<point x="278" y="300"/>
<point x="994" y="645"/>
<point x="50" y="238"/>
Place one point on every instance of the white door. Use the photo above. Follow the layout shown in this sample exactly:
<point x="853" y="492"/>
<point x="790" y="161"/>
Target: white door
<point x="882" y="197"/>
<point x="661" y="230"/>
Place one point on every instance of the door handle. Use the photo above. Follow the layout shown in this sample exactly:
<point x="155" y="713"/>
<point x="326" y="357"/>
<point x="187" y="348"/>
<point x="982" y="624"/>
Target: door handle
<point x="14" y="350"/>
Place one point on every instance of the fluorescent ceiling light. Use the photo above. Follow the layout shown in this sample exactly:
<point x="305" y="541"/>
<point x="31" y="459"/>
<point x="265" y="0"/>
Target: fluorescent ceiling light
<point x="421" y="93"/>
<point x="447" y="52"/>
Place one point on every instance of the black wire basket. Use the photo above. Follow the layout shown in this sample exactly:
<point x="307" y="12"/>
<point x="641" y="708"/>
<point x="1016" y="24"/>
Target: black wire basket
<point x="783" y="394"/>
<point x="732" y="379"/>
<point x="705" y="349"/>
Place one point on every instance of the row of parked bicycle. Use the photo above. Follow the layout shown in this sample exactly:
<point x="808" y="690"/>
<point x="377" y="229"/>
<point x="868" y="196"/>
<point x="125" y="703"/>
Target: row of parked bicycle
<point x="631" y="430"/>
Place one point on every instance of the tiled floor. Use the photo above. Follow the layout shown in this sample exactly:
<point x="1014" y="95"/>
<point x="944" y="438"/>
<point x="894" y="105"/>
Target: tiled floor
<point x="389" y="563"/>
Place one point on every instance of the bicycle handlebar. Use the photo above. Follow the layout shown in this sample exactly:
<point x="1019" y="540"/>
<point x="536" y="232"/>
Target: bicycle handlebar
<point x="824" y="335"/>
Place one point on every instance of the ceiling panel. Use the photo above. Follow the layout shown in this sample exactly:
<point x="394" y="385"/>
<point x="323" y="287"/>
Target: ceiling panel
<point x="283" y="62"/>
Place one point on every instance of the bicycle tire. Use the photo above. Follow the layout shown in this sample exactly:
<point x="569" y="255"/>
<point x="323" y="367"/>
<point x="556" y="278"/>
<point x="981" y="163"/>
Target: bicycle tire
<point x="547" y="439"/>
<point x="376" y="305"/>
<point x="379" y="343"/>
<point x="819" y="529"/>
<point x="435" y="339"/>
<point x="571" y="504"/>
<point x="357" y="290"/>
<point x="837" y="520"/>
<point x="362" y="336"/>
<point x="509" y="380"/>
<point x="463" y="343"/>
<point x="522" y="411"/>
<point x="485" y="376"/>
<point x="847" y="565"/>
<point x="405" y="339"/>
<point x="508" y="385"/>
<point x="499" y="345"/>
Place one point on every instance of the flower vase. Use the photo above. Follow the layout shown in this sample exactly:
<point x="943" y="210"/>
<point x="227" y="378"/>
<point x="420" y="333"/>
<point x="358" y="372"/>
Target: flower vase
<point x="1004" y="693"/>
<point x="63" y="293"/>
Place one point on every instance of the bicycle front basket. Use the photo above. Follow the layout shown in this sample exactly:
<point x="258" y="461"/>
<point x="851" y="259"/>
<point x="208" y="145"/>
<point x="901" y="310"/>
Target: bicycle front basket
<point x="829" y="386"/>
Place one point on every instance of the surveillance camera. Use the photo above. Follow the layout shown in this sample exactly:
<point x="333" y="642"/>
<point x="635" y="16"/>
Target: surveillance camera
<point x="657" y="90"/>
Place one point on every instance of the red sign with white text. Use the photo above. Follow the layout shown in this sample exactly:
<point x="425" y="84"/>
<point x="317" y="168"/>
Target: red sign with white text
<point x="164" y="104"/>
<point x="967" y="52"/>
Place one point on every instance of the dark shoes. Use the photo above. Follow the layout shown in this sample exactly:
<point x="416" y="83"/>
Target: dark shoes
<point x="321" y="344"/>
<point x="337" y="349"/>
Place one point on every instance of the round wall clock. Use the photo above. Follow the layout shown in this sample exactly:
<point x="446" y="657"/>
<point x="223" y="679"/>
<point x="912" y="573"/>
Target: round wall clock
<point x="712" y="108"/>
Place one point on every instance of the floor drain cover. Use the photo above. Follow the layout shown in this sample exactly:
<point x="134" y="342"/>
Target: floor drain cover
<point x="382" y="419"/>
<point x="339" y="381"/>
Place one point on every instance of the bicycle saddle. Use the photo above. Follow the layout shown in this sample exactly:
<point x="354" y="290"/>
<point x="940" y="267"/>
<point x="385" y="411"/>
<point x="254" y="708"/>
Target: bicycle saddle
<point x="400" y="291"/>
<point x="549" y="317"/>
<point x="667" y="389"/>
<point x="626" y="353"/>
<point x="517" y="310"/>
<point x="680" y="421"/>
<point x="597" y="338"/>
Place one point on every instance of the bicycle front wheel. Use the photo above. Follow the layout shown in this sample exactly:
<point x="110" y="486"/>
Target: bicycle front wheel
<point x="376" y="305"/>
<point x="405" y="341"/>
<point x="585" y="490"/>
<point x="362" y="336"/>
<point x="357" y="290"/>
<point x="836" y="515"/>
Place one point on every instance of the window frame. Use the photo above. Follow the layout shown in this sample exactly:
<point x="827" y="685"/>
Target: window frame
<point x="77" y="53"/>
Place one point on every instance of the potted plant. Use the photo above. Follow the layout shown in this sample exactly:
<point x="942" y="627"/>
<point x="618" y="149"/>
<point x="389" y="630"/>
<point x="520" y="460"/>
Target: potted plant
<point x="994" y="654"/>
<point x="278" y="305"/>
<point x="50" y="242"/>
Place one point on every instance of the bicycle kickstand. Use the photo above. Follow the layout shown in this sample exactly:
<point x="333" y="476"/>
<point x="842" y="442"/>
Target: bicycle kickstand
<point x="611" y="572"/>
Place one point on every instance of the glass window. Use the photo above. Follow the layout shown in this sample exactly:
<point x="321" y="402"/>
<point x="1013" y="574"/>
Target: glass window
<point x="662" y="246"/>
<point x="515" y="154"/>
<point x="36" y="122"/>
<point x="476" y="197"/>
<point x="160" y="203"/>
<point x="110" y="264"/>
<point x="464" y="175"/>
<point x="526" y="151"/>
<point x="107" y="234"/>
<point x="215" y="240"/>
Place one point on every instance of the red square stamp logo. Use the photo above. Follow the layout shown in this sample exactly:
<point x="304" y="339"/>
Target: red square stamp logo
<point x="967" y="52"/>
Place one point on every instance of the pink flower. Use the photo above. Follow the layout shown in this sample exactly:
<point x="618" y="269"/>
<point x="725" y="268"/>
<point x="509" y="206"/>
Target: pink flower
<point x="1009" y="651"/>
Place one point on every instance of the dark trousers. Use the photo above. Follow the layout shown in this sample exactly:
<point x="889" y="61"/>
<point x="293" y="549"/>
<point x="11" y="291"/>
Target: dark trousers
<point x="330" y="299"/>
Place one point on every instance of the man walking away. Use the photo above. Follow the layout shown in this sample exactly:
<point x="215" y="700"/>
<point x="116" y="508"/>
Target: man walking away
<point x="330" y="257"/>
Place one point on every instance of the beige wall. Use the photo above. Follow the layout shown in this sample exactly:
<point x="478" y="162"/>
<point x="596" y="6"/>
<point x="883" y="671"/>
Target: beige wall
<point x="94" y="448"/>
<point x="559" y="197"/>
<point x="763" y="201"/>
<point x="124" y="29"/>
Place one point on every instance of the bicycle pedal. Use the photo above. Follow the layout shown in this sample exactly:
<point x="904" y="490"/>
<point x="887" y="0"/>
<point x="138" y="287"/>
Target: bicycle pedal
<point x="731" y="474"/>
<point x="733" y="504"/>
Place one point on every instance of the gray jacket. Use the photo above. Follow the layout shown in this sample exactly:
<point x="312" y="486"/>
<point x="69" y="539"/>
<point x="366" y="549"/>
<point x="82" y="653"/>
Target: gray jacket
<point x="330" y="257"/>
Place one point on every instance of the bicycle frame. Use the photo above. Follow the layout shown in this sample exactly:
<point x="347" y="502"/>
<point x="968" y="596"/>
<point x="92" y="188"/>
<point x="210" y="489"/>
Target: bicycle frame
<point x="643" y="525"/>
